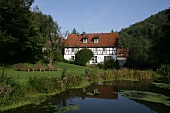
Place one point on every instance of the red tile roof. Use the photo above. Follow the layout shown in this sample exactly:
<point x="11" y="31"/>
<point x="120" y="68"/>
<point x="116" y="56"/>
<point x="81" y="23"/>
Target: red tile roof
<point x="122" y="52"/>
<point x="105" y="40"/>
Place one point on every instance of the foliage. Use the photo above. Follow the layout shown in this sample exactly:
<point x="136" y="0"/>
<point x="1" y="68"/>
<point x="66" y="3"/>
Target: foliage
<point x="74" y="31"/>
<point x="58" y="56"/>
<point x="44" y="84"/>
<point x="83" y="56"/>
<point x="92" y="75"/>
<point x="147" y="96"/>
<point x="110" y="64"/>
<point x="23" y="85"/>
<point x="112" y="31"/>
<point x="27" y="32"/>
<point x="50" y="35"/>
<point x="71" y="79"/>
<point x="162" y="85"/>
<point x="17" y="35"/>
<point x="147" y="40"/>
<point x="10" y="90"/>
<point x="161" y="49"/>
<point x="164" y="70"/>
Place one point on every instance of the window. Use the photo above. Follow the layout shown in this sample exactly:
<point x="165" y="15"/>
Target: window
<point x="107" y="57"/>
<point x="94" y="60"/>
<point x="95" y="49"/>
<point x="104" y="49"/>
<point x="72" y="50"/>
<point x="96" y="40"/>
<point x="84" y="40"/>
<point x="72" y="58"/>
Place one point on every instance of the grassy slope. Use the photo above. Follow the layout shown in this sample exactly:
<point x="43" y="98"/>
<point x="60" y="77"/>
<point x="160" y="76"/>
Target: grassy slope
<point x="23" y="76"/>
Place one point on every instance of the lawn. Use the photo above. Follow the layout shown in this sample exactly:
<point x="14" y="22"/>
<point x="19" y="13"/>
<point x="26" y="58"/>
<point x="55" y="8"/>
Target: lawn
<point x="23" y="76"/>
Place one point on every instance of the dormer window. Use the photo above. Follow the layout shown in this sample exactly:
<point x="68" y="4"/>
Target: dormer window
<point x="96" y="40"/>
<point x="84" y="40"/>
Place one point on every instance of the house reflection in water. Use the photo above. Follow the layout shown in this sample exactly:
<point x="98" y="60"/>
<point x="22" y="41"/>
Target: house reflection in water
<point x="102" y="92"/>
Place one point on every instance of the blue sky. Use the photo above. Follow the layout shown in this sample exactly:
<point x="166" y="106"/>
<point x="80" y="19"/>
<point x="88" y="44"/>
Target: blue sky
<point x="99" y="16"/>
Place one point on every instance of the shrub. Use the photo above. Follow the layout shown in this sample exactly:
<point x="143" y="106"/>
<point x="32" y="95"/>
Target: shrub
<point x="83" y="56"/>
<point x="164" y="70"/>
<point x="71" y="79"/>
<point x="110" y="64"/>
<point x="10" y="91"/>
<point x="44" y="84"/>
<point x="100" y="65"/>
<point x="92" y="75"/>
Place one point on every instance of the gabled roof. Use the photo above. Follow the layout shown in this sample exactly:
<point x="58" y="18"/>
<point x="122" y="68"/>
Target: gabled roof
<point x="122" y="52"/>
<point x="105" y="40"/>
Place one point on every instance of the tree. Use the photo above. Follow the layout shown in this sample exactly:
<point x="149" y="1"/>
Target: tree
<point x="161" y="41"/>
<point x="74" y="31"/>
<point x="17" y="35"/>
<point x="83" y="56"/>
<point x="112" y="31"/>
<point x="50" y="35"/>
<point x="146" y="41"/>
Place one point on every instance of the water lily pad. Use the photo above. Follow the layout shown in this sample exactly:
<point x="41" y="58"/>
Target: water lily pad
<point x="162" y="85"/>
<point x="147" y="96"/>
<point x="70" y="108"/>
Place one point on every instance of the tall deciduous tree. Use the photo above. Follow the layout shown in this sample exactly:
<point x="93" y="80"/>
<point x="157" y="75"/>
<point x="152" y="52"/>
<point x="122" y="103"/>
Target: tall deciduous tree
<point x="17" y="35"/>
<point x="49" y="33"/>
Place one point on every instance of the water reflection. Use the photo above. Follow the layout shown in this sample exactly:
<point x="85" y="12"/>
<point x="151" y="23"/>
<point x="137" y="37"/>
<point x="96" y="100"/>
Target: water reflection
<point x="101" y="91"/>
<point x="99" y="98"/>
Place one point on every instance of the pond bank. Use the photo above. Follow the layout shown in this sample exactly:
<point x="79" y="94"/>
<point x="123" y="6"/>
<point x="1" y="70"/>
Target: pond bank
<point x="87" y="100"/>
<point x="37" y="89"/>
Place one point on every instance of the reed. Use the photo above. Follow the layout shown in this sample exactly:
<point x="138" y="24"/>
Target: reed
<point x="121" y="74"/>
<point x="71" y="79"/>
<point x="164" y="70"/>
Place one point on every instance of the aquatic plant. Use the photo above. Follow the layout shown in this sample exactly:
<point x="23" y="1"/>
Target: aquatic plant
<point x="162" y="85"/>
<point x="164" y="70"/>
<point x="147" y="96"/>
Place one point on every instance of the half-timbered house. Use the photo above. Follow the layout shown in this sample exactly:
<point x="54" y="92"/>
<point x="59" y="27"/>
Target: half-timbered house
<point x="103" y="46"/>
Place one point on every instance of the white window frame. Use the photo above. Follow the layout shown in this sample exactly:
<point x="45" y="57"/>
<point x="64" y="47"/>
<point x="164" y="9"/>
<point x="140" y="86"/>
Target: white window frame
<point x="94" y="60"/>
<point x="84" y="40"/>
<point x="96" y="40"/>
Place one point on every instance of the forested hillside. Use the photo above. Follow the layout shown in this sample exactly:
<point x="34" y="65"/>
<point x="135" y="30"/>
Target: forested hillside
<point x="148" y="41"/>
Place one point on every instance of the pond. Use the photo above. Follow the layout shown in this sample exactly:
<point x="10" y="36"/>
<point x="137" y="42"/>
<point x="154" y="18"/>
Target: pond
<point x="101" y="98"/>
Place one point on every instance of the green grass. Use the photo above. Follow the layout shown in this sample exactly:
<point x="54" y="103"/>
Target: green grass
<point x="23" y="76"/>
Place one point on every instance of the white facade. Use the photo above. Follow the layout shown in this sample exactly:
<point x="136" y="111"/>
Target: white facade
<point x="100" y="54"/>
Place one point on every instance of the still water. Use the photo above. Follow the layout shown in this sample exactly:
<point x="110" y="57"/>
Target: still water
<point x="100" y="98"/>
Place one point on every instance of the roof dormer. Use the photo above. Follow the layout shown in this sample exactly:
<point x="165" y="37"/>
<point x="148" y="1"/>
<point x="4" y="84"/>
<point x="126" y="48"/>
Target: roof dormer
<point x="84" y="40"/>
<point x="96" y="40"/>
